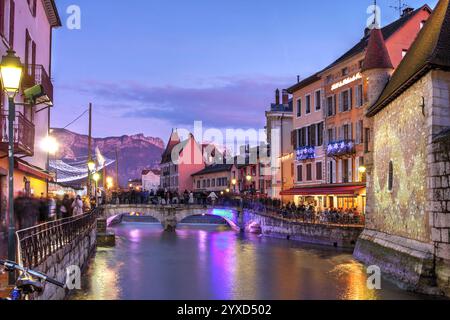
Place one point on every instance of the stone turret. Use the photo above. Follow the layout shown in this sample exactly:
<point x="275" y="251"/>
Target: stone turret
<point x="377" y="67"/>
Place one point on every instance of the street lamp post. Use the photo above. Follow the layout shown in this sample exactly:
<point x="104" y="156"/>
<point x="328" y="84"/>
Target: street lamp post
<point x="96" y="178"/>
<point x="11" y="70"/>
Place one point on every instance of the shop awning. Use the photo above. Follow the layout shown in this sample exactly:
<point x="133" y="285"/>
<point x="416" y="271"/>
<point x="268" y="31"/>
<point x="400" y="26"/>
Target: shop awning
<point x="32" y="170"/>
<point x="326" y="190"/>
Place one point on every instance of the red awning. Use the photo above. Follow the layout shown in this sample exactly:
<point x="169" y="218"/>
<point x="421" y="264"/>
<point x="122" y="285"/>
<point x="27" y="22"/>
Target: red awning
<point x="32" y="170"/>
<point x="325" y="190"/>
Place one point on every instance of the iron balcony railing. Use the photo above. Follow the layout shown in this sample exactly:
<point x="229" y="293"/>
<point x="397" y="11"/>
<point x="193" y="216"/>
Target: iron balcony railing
<point x="306" y="153"/>
<point x="24" y="132"/>
<point x="38" y="243"/>
<point x="35" y="75"/>
<point x="341" y="148"/>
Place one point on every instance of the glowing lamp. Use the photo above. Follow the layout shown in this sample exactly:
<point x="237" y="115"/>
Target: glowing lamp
<point x="50" y="145"/>
<point x="91" y="165"/>
<point x="234" y="182"/>
<point x="11" y="70"/>
<point x="96" y="177"/>
<point x="362" y="169"/>
<point x="249" y="178"/>
<point x="227" y="191"/>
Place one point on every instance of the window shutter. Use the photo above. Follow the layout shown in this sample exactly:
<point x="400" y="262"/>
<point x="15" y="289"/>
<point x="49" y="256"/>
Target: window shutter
<point x="351" y="131"/>
<point x="350" y="96"/>
<point x="341" y="101"/>
<point x="350" y="170"/>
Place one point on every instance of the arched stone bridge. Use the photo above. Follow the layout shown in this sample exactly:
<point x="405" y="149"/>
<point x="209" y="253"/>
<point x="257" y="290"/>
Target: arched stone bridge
<point x="171" y="216"/>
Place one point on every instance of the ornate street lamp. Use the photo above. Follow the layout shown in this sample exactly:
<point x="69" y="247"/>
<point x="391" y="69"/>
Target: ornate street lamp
<point x="11" y="70"/>
<point x="96" y="178"/>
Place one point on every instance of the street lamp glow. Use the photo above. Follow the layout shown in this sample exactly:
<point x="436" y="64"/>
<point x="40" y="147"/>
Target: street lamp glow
<point x="91" y="165"/>
<point x="234" y="182"/>
<point x="50" y="145"/>
<point x="109" y="182"/>
<point x="11" y="70"/>
<point x="227" y="191"/>
<point x="362" y="169"/>
<point x="96" y="177"/>
<point x="249" y="178"/>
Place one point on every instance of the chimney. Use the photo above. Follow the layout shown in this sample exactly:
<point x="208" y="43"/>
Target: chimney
<point x="285" y="97"/>
<point x="277" y="97"/>
<point x="298" y="79"/>
<point x="366" y="32"/>
<point x="407" y="11"/>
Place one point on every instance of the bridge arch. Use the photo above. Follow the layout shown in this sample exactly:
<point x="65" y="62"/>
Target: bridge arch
<point x="169" y="216"/>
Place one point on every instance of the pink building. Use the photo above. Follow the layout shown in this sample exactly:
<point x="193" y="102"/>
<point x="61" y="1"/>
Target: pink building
<point x="180" y="161"/>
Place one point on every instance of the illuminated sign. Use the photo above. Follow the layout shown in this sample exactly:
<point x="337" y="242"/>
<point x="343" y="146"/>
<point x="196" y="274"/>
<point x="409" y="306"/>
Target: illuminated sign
<point x="346" y="81"/>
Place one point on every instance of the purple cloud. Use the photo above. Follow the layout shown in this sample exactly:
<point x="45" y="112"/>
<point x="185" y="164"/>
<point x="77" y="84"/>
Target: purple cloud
<point x="229" y="102"/>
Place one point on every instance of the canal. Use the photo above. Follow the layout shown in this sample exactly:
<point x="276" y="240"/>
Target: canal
<point x="213" y="262"/>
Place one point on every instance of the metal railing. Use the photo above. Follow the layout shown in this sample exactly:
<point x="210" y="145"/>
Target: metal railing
<point x="36" y="74"/>
<point x="36" y="244"/>
<point x="24" y="132"/>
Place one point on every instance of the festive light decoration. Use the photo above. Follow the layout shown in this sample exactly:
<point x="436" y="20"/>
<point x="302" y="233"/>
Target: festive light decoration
<point x="73" y="171"/>
<point x="306" y="153"/>
<point x="346" y="81"/>
<point x="340" y="148"/>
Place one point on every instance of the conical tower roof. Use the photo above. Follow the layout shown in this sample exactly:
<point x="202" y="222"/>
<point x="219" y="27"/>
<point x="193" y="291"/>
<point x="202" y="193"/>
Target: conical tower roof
<point x="377" y="55"/>
<point x="431" y="50"/>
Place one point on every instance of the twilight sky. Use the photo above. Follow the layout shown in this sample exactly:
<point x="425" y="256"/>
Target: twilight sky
<point x="152" y="65"/>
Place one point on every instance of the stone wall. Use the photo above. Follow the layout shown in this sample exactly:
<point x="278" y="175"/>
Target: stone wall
<point x="75" y="254"/>
<point x="321" y="234"/>
<point x="407" y="231"/>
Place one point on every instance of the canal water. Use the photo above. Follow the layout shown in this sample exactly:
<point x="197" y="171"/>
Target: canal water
<point x="213" y="263"/>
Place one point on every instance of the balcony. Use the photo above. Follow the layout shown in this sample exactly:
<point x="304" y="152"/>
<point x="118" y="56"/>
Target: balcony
<point x="23" y="135"/>
<point x="35" y="75"/>
<point x="306" y="153"/>
<point x="341" y="149"/>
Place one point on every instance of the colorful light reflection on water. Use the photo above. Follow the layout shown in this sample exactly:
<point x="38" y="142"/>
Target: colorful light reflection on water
<point x="213" y="262"/>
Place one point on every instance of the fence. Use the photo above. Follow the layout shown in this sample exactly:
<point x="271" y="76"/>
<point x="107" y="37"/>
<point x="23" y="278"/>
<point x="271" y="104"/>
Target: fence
<point x="36" y="244"/>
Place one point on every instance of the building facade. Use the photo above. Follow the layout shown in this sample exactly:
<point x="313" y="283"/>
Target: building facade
<point x="408" y="163"/>
<point x="151" y="179"/>
<point x="180" y="161"/>
<point x="346" y="131"/>
<point x="279" y="127"/>
<point x="214" y="178"/>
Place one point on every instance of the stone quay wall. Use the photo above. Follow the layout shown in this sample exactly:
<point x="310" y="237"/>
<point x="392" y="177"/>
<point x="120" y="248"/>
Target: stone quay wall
<point x="321" y="234"/>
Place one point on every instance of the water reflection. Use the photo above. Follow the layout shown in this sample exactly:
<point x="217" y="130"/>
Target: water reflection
<point x="209" y="262"/>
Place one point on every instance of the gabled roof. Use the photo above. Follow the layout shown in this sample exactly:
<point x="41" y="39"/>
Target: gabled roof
<point x="154" y="171"/>
<point x="387" y="32"/>
<point x="215" y="168"/>
<point x="377" y="55"/>
<point x="304" y="83"/>
<point x="173" y="141"/>
<point x="431" y="50"/>
<point x="52" y="13"/>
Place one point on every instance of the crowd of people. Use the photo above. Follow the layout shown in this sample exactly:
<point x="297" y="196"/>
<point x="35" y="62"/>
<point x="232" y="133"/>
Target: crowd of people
<point x="163" y="197"/>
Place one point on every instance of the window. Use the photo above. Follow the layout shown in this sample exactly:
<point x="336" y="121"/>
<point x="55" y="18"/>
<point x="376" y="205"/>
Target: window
<point x="346" y="101"/>
<point x="330" y="135"/>
<point x="32" y="6"/>
<point x="347" y="131"/>
<point x="344" y="72"/>
<point x="300" y="173"/>
<point x="366" y="140"/>
<point x="422" y="24"/>
<point x="309" y="172"/>
<point x="320" y="128"/>
<point x="299" y="108"/>
<point x="318" y="100"/>
<point x="331" y="172"/>
<point x="404" y="52"/>
<point x="329" y="79"/>
<point x="319" y="171"/>
<point x="198" y="184"/>
<point x="391" y="176"/>
<point x="359" y="132"/>
<point x="345" y="176"/>
<point x="213" y="183"/>
<point x="330" y="106"/>
<point x="359" y="95"/>
<point x="308" y="104"/>
<point x="361" y="64"/>
<point x="312" y="135"/>
<point x="204" y="184"/>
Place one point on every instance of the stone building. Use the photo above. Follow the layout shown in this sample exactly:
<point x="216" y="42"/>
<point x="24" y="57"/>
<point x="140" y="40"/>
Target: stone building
<point x="408" y="166"/>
